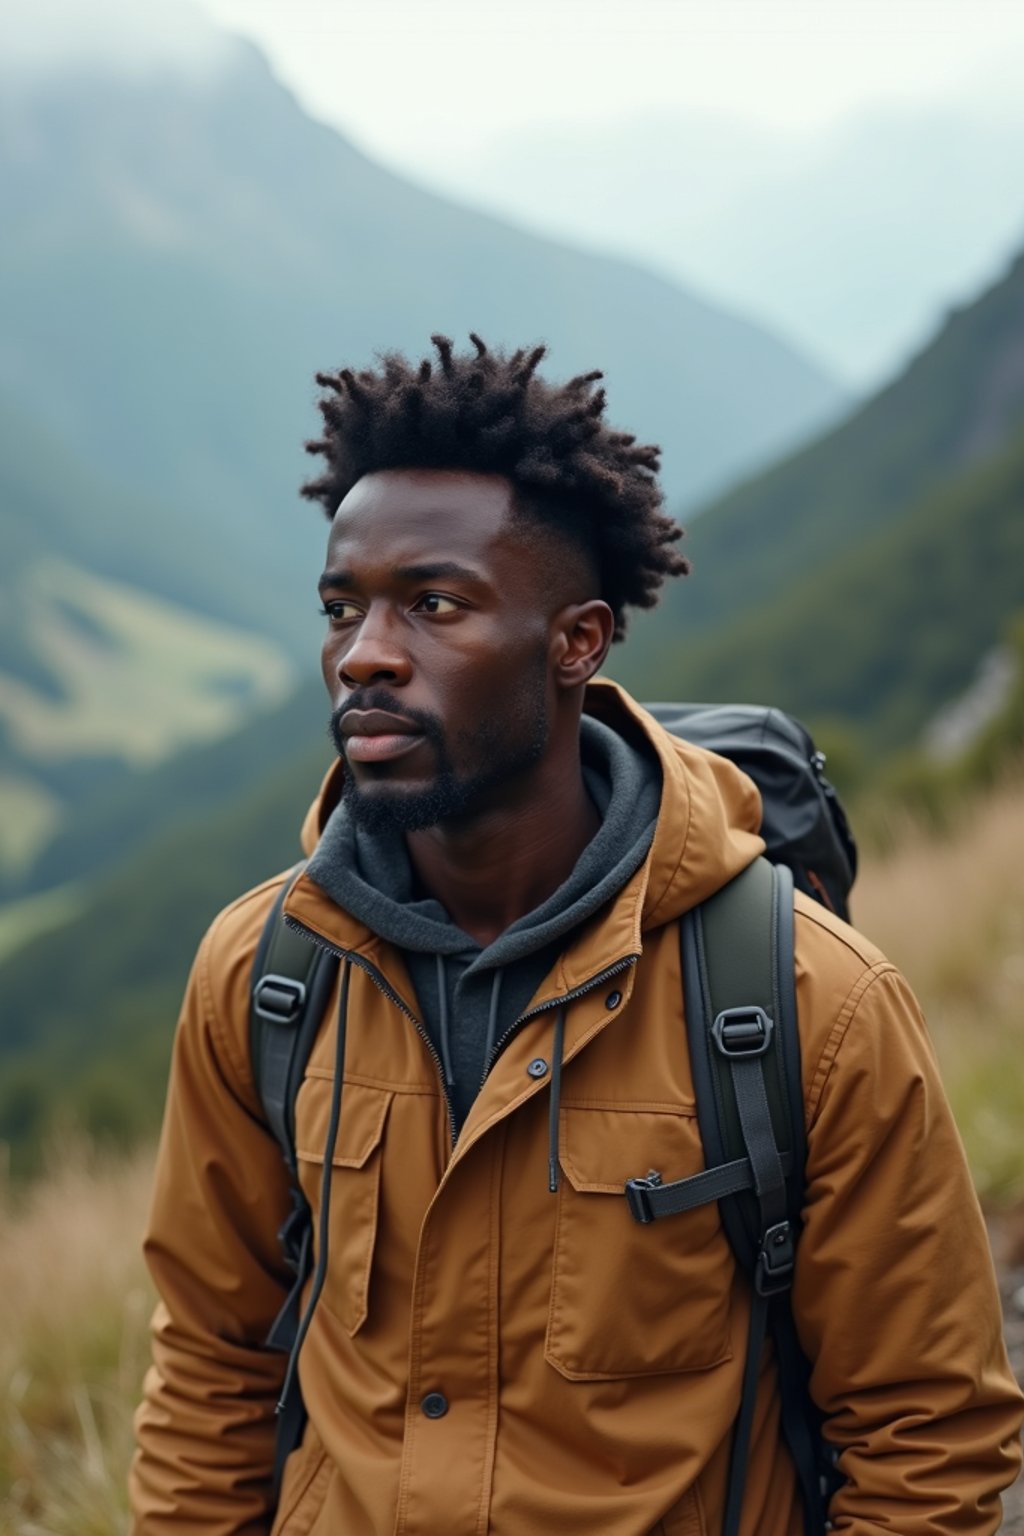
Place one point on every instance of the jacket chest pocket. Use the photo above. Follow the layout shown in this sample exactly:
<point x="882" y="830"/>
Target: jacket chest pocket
<point x="626" y="1299"/>
<point x="354" y="1192"/>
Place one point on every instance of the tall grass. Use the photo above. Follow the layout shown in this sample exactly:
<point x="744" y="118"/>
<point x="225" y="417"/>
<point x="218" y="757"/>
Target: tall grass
<point x="73" y="1343"/>
<point x="76" y="1300"/>
<point x="949" y="910"/>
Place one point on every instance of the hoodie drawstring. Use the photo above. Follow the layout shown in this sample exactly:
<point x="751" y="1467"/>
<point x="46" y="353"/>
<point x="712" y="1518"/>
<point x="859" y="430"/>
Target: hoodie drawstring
<point x="492" y="1019"/>
<point x="320" y="1273"/>
<point x="442" y="1003"/>
<point x="554" y="1104"/>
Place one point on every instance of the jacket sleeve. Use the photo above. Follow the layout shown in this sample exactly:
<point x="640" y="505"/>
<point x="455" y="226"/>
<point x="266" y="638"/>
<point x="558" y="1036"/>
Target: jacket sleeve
<point x="205" y="1429"/>
<point x="895" y="1296"/>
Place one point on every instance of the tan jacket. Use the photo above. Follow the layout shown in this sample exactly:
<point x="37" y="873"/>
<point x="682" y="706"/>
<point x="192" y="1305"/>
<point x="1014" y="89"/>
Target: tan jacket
<point x="591" y="1366"/>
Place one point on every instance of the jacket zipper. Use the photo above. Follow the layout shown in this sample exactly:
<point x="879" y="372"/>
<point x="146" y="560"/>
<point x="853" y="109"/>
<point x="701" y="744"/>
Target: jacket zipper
<point x="557" y="1002"/>
<point x="382" y="985"/>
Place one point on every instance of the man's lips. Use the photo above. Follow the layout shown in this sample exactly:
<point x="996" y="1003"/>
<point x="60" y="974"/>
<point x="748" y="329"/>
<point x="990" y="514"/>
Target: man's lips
<point x="372" y="735"/>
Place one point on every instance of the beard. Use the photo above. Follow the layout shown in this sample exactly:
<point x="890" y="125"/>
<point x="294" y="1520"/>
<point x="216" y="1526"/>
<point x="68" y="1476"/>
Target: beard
<point x="500" y="748"/>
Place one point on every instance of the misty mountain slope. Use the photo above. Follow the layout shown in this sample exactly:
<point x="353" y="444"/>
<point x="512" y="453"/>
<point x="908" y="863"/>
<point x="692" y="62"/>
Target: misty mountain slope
<point x="113" y="820"/>
<point x="97" y="1035"/>
<point x="892" y="631"/>
<point x="186" y="252"/>
<point x="851" y="238"/>
<point x="102" y="663"/>
<point x="957" y="404"/>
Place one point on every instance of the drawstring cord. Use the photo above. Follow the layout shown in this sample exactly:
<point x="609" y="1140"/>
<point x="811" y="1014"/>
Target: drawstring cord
<point x="554" y="1104"/>
<point x="492" y="1017"/>
<point x="442" y="997"/>
<point x="320" y="1274"/>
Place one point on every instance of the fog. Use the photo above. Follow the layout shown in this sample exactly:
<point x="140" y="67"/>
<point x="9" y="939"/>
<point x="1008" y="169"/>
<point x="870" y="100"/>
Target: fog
<point x="121" y="35"/>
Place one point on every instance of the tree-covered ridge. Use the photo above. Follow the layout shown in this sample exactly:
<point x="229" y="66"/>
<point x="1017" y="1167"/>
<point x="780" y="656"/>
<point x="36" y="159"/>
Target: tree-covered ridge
<point x="885" y="634"/>
<point x="957" y="405"/>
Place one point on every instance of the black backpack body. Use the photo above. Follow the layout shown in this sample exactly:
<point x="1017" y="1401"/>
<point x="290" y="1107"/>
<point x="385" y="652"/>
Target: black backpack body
<point x="804" y="824"/>
<point x="744" y="1046"/>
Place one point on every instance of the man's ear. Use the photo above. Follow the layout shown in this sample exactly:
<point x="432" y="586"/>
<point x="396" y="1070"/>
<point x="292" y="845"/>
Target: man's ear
<point x="581" y="635"/>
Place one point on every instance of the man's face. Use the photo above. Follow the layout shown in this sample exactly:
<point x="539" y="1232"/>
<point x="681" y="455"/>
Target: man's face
<point x="436" y="656"/>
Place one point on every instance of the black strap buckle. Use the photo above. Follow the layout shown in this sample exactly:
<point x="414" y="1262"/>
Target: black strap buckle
<point x="638" y="1197"/>
<point x="742" y="1032"/>
<point x="279" y="998"/>
<point x="775" y="1260"/>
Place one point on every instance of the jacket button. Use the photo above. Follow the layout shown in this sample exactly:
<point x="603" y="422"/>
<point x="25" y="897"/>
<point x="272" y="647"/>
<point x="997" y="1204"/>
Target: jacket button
<point x="538" y="1067"/>
<point x="613" y="1000"/>
<point x="435" y="1405"/>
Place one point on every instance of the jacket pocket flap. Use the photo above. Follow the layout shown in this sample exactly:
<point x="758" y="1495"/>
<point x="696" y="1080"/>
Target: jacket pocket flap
<point x="363" y="1113"/>
<point x="601" y="1149"/>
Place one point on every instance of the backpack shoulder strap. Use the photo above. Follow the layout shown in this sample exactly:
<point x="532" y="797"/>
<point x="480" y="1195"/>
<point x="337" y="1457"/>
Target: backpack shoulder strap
<point x="739" y="986"/>
<point x="740" y="991"/>
<point x="292" y="981"/>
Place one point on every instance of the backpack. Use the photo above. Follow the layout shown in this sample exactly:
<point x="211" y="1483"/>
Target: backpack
<point x="742" y="1036"/>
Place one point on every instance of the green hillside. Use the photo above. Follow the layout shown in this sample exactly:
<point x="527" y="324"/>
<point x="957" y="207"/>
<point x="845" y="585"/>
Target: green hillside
<point x="109" y="654"/>
<point x="113" y="819"/>
<point x="956" y="406"/>
<point x="883" y="637"/>
<point x="89" y="1007"/>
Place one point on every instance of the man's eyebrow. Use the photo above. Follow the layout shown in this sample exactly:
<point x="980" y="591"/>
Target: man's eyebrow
<point x="437" y="570"/>
<point x="433" y="570"/>
<point x="335" y="579"/>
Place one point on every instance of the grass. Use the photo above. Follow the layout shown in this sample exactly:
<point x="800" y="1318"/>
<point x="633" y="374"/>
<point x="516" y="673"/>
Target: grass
<point x="22" y="920"/>
<point x="142" y="675"/>
<point x="73" y="1330"/>
<point x="949" y="910"/>
<point x="73" y="1344"/>
<point x="28" y="816"/>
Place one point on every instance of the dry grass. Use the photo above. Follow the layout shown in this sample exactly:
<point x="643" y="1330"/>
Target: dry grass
<point x="950" y="912"/>
<point x="73" y="1344"/>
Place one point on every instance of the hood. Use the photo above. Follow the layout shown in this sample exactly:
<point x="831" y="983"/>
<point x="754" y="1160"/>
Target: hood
<point x="707" y="827"/>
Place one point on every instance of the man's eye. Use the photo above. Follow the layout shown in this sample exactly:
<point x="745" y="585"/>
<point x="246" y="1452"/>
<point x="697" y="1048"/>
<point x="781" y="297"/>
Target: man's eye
<point x="340" y="612"/>
<point x="436" y="602"/>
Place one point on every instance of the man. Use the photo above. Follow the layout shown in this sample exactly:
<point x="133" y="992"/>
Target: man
<point x="500" y="859"/>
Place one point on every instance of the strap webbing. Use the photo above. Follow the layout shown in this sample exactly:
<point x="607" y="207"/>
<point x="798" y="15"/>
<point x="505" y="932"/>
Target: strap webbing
<point x="745" y="1422"/>
<point x="292" y="981"/>
<point x="650" y="1200"/>
<point x="737" y="953"/>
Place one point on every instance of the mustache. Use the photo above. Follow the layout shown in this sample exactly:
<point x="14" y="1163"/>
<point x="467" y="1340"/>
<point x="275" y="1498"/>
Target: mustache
<point x="380" y="698"/>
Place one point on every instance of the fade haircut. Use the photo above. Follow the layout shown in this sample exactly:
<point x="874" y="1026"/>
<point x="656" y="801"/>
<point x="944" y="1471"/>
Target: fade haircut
<point x="488" y="412"/>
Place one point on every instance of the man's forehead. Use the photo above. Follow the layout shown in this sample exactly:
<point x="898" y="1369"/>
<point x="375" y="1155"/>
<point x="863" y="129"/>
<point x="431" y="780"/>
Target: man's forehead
<point x="392" y="492"/>
<point x="411" y="511"/>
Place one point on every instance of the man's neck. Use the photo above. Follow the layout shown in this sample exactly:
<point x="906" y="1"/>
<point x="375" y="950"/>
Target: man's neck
<point x="492" y="870"/>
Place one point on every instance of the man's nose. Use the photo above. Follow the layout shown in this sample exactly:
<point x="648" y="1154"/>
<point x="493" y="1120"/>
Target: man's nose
<point x="375" y="656"/>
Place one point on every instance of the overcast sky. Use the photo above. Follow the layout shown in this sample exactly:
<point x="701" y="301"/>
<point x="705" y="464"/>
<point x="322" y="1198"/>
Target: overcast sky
<point x="415" y="79"/>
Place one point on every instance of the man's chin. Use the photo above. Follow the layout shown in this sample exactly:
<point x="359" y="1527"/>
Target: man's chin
<point x="384" y="808"/>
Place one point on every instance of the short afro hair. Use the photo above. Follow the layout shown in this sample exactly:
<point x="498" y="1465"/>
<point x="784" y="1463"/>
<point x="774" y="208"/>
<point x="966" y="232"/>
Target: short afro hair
<point x="488" y="411"/>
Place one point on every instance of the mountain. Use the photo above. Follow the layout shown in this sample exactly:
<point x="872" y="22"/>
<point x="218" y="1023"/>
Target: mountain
<point x="761" y="548"/>
<point x="922" y="478"/>
<point x="851" y="239"/>
<point x="115" y="816"/>
<point x="104" y="663"/>
<point x="105" y="659"/>
<point x="182" y="252"/>
<point x="886" y="636"/>
<point x="183" y="248"/>
<point x="89" y="1007"/>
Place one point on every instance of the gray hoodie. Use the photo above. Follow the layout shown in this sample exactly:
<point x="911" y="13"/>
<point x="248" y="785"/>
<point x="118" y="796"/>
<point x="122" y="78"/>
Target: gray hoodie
<point x="471" y="998"/>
